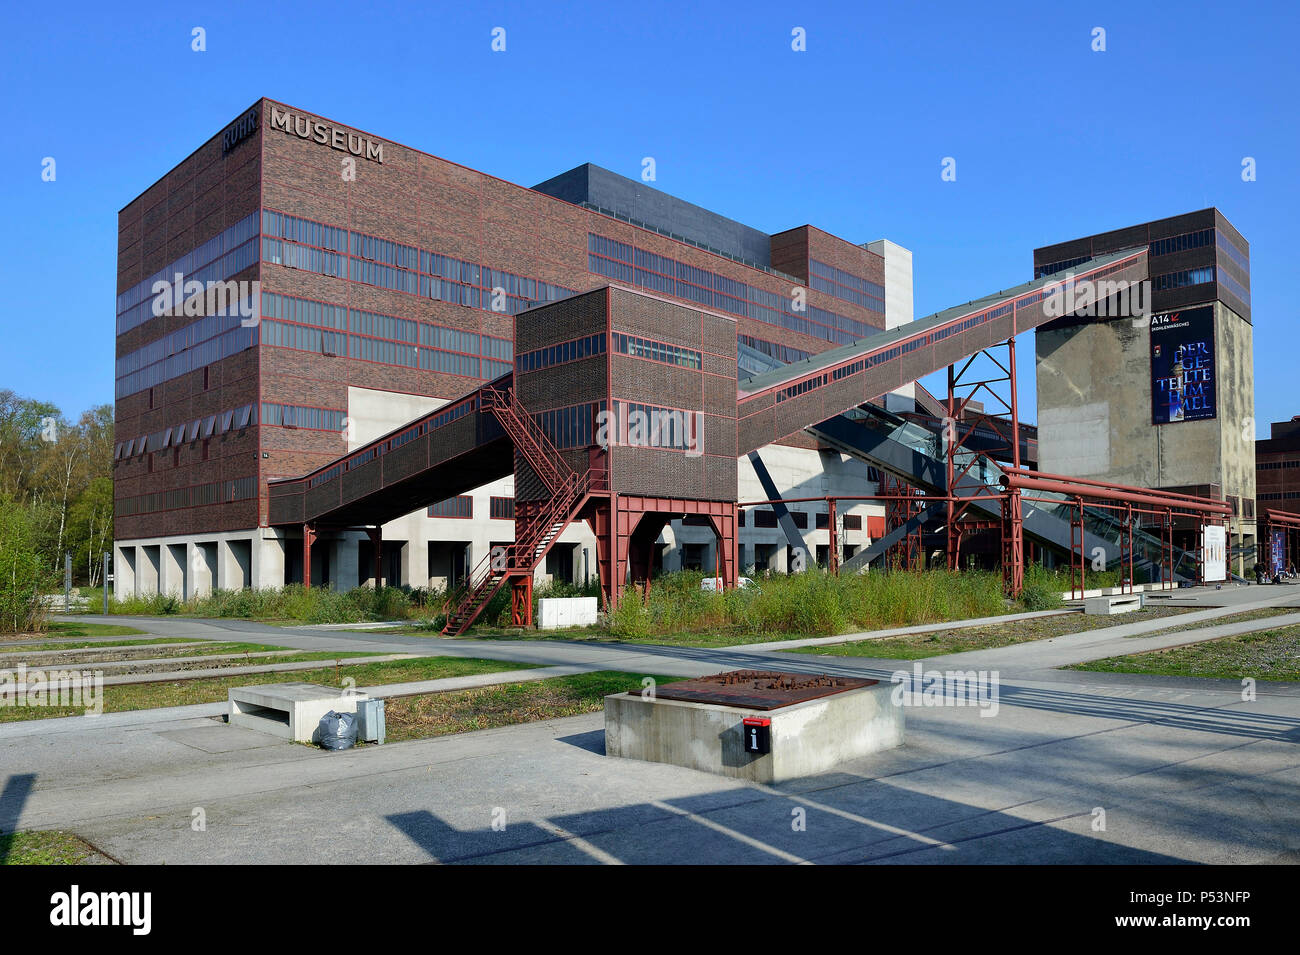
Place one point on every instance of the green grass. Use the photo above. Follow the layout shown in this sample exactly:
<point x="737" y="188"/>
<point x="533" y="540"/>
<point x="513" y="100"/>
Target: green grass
<point x="440" y="714"/>
<point x="1263" y="613"/>
<point x="940" y="642"/>
<point x="44" y="848"/>
<point x="79" y="645"/>
<point x="143" y="696"/>
<point x="77" y="630"/>
<point x="677" y="612"/>
<point x="1264" y="655"/>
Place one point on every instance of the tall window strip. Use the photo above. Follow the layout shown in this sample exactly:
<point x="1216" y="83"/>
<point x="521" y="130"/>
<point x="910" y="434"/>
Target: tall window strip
<point x="225" y="254"/>
<point x="304" y="417"/>
<point x="1237" y="255"/>
<point x="387" y="339"/>
<point x="370" y="260"/>
<point x="561" y="353"/>
<point x="652" y="426"/>
<point x="846" y="286"/>
<point x="198" y="495"/>
<point x="461" y="508"/>
<point x="657" y="351"/>
<point x="571" y="427"/>
<point x="1183" y="279"/>
<point x="621" y="262"/>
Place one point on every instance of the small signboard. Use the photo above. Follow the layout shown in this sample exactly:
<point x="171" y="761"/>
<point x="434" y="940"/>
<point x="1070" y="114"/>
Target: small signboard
<point x="758" y="734"/>
<point x="1215" y="556"/>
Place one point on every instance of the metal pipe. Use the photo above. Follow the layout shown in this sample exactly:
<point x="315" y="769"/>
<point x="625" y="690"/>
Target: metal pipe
<point x="1108" y="494"/>
<point x="1111" y="484"/>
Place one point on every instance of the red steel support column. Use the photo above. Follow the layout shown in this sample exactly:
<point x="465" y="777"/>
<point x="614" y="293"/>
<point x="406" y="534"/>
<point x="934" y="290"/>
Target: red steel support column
<point x="521" y="601"/>
<point x="308" y="538"/>
<point x="949" y="439"/>
<point x="1015" y="406"/>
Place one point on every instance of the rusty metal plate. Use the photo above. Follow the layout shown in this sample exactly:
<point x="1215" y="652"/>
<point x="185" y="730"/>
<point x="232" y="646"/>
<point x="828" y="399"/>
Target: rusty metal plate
<point x="759" y="689"/>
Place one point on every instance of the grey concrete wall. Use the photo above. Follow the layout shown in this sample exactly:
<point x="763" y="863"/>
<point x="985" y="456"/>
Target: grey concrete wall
<point x="1094" y="411"/>
<point x="1235" y="394"/>
<point x="806" y="738"/>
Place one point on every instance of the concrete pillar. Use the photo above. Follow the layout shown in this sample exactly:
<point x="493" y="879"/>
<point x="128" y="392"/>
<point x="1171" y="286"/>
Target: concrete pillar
<point x="415" y="564"/>
<point x="124" y="558"/>
<point x="345" y="563"/>
<point x="148" y="560"/>
<point x="268" y="560"/>
<point x="234" y="563"/>
<point x="202" y="559"/>
<point x="173" y="564"/>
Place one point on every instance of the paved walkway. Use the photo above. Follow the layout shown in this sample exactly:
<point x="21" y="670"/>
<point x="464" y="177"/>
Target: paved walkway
<point x="1178" y="770"/>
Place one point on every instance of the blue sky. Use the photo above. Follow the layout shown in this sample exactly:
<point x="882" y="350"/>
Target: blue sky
<point x="1052" y="140"/>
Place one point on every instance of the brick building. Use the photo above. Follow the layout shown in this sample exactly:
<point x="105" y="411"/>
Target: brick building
<point x="296" y="288"/>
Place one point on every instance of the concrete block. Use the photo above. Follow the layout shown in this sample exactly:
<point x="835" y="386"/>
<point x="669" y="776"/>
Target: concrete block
<point x="567" y="612"/>
<point x="1113" y="603"/>
<point x="806" y="738"/>
<point x="289" y="710"/>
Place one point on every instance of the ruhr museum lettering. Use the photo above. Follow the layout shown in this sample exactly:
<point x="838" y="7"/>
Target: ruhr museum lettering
<point x="324" y="133"/>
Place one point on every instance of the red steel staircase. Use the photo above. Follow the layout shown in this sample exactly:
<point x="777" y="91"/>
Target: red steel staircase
<point x="535" y="530"/>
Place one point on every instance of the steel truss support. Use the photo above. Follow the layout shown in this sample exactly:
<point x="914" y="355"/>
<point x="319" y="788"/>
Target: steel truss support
<point x="626" y="527"/>
<point x="962" y="420"/>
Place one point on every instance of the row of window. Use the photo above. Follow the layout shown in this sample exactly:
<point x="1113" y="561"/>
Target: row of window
<point x="380" y="262"/>
<point x="1233" y="286"/>
<point x="206" y="427"/>
<point x="571" y="427"/>
<point x="619" y="261"/>
<point x="302" y="416"/>
<point x="1276" y="465"/>
<point x="1051" y="268"/>
<point x="1174" y="243"/>
<point x="767" y="518"/>
<point x="1237" y="255"/>
<point x="846" y="286"/>
<point x="199" y="356"/>
<point x="198" y="495"/>
<point x="657" y="351"/>
<point x="650" y="426"/>
<point x="803" y="387"/>
<point x="1183" y="278"/>
<point x="1181" y="243"/>
<point x="458" y="507"/>
<point x="687" y="240"/>
<point x="376" y="325"/>
<point x="561" y="353"/>
<point x="782" y="353"/>
<point x="462" y="508"/>
<point x="383" y="351"/>
<point x="1279" y="496"/>
<point x="135" y="305"/>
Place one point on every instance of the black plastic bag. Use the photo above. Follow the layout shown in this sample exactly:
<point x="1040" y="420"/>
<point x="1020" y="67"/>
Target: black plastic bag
<point x="338" y="730"/>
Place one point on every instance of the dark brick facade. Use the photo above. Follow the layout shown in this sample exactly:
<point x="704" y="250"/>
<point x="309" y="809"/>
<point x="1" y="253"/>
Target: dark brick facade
<point x="413" y="199"/>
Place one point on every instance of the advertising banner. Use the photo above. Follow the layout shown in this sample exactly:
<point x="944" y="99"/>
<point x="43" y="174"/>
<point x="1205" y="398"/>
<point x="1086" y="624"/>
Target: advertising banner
<point x="1276" y="547"/>
<point x="1215" y="558"/>
<point x="1182" y="365"/>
